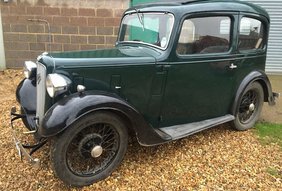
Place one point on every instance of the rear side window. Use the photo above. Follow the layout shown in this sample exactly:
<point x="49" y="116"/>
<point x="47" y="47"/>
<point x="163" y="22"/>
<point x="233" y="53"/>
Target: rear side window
<point x="252" y="34"/>
<point x="204" y="35"/>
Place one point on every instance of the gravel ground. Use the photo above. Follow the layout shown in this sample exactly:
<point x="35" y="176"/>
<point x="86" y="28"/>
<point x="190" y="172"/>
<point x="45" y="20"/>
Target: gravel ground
<point x="216" y="159"/>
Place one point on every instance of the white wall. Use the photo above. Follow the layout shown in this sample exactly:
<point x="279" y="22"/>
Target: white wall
<point x="2" y="51"/>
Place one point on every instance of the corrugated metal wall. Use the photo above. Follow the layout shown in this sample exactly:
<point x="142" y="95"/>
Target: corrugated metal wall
<point x="274" y="53"/>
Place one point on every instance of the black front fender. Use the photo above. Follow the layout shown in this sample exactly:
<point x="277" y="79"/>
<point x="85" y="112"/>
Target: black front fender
<point x="26" y="95"/>
<point x="70" y="109"/>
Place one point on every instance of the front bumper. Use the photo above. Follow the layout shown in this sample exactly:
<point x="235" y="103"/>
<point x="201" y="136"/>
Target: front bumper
<point x="22" y="148"/>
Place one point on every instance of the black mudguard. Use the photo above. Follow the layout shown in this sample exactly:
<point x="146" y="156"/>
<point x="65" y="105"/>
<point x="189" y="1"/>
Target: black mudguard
<point x="260" y="77"/>
<point x="71" y="108"/>
<point x="26" y="96"/>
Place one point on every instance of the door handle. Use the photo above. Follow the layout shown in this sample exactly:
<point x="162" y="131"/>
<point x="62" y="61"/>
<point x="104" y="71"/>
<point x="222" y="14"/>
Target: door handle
<point x="233" y="66"/>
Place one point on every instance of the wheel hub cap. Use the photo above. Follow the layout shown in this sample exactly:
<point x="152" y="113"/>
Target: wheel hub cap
<point x="251" y="107"/>
<point x="96" y="151"/>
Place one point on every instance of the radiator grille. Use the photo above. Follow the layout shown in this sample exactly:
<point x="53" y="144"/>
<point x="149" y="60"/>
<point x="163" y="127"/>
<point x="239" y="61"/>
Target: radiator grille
<point x="40" y="92"/>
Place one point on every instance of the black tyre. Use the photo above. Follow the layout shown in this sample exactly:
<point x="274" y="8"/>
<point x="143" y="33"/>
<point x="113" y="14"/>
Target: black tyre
<point x="249" y="107"/>
<point x="90" y="149"/>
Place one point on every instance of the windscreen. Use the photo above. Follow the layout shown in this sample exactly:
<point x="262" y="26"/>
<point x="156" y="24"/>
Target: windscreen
<point x="148" y="28"/>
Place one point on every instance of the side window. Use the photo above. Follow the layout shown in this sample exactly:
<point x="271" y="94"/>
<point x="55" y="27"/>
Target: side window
<point x="204" y="35"/>
<point x="251" y="34"/>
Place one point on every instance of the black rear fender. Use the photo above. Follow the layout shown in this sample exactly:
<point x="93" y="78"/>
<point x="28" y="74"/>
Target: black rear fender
<point x="255" y="76"/>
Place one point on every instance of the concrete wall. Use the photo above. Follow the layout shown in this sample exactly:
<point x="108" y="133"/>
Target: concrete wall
<point x="75" y="25"/>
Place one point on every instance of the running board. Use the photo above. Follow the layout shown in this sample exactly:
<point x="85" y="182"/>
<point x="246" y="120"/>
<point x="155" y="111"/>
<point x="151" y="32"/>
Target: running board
<point x="180" y="131"/>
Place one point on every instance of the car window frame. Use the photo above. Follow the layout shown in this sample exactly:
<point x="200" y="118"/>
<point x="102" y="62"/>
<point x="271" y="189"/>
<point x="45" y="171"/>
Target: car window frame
<point x="143" y="43"/>
<point x="265" y="24"/>
<point x="231" y="14"/>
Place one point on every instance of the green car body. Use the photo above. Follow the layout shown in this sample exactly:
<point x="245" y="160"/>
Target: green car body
<point x="161" y="92"/>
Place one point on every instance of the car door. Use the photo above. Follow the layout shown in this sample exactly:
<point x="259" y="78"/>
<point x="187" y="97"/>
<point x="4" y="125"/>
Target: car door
<point x="200" y="78"/>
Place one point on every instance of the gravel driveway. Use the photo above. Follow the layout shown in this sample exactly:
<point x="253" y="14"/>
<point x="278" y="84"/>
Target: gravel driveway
<point x="216" y="159"/>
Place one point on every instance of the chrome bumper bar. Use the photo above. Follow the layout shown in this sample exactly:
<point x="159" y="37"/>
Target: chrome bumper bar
<point x="21" y="148"/>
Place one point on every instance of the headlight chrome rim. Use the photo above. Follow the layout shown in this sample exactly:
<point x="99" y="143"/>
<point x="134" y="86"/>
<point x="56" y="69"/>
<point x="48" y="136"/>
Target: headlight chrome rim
<point x="57" y="84"/>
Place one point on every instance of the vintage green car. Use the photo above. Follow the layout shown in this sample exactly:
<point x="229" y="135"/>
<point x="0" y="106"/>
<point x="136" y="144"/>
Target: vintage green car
<point x="177" y="69"/>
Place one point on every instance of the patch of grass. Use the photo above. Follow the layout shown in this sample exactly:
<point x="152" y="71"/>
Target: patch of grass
<point x="269" y="133"/>
<point x="274" y="172"/>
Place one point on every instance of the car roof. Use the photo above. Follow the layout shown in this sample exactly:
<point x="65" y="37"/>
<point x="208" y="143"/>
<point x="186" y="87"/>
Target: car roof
<point x="192" y="6"/>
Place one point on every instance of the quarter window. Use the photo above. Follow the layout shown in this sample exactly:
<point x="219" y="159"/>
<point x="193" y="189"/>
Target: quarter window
<point x="204" y="35"/>
<point x="251" y="34"/>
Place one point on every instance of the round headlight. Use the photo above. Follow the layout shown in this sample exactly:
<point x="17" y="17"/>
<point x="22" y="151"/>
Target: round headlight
<point x="29" y="69"/>
<point x="50" y="88"/>
<point x="57" y="84"/>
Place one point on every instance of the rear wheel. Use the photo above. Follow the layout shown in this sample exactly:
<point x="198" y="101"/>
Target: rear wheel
<point x="90" y="149"/>
<point x="249" y="107"/>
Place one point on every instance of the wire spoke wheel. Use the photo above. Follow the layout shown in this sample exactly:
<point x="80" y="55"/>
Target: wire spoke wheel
<point x="249" y="107"/>
<point x="90" y="149"/>
<point x="96" y="145"/>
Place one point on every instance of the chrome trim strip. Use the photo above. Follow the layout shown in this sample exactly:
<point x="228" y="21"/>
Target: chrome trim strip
<point x="40" y="92"/>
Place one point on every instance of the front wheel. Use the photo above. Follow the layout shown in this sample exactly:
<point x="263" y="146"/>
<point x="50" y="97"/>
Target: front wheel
<point x="249" y="107"/>
<point x="90" y="149"/>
